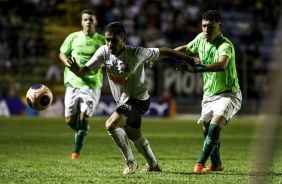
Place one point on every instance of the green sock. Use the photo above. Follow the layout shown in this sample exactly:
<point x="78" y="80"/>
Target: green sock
<point x="210" y="142"/>
<point x="205" y="133"/>
<point x="80" y="135"/>
<point x="215" y="156"/>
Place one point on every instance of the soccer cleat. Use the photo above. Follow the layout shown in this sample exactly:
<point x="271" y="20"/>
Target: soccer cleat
<point x="148" y="168"/>
<point x="130" y="167"/>
<point x="74" y="156"/>
<point x="199" y="169"/>
<point x="218" y="168"/>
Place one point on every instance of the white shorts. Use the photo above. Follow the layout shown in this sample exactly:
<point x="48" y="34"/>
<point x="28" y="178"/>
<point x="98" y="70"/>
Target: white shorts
<point x="83" y="100"/>
<point x="224" y="104"/>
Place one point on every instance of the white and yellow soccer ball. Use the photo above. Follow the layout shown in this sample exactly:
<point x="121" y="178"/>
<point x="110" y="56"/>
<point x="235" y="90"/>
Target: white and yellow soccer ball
<point x="39" y="97"/>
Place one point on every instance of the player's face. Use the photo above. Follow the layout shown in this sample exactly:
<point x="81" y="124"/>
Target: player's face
<point x="88" y="22"/>
<point x="211" y="30"/>
<point x="115" y="43"/>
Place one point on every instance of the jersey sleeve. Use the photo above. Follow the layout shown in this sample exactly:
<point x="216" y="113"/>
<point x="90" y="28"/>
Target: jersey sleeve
<point x="193" y="46"/>
<point x="147" y="54"/>
<point x="225" y="50"/>
<point x="66" y="45"/>
<point x="97" y="59"/>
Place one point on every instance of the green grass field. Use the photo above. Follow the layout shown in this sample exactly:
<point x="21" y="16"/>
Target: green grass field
<point x="38" y="150"/>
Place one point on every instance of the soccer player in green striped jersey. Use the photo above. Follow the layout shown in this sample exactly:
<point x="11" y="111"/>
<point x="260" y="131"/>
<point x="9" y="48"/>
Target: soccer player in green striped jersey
<point x="82" y="93"/>
<point x="222" y="97"/>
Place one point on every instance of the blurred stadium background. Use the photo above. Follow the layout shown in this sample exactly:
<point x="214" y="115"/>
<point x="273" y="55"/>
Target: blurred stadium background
<point x="31" y="32"/>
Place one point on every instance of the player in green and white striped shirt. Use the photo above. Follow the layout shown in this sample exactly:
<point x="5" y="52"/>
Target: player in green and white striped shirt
<point x="222" y="96"/>
<point x="82" y="93"/>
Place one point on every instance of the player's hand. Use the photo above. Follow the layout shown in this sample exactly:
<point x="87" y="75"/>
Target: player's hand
<point x="185" y="67"/>
<point x="151" y="63"/>
<point x="72" y="65"/>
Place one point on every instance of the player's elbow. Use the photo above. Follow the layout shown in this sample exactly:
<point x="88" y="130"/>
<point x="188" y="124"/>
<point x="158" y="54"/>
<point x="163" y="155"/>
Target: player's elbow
<point x="222" y="68"/>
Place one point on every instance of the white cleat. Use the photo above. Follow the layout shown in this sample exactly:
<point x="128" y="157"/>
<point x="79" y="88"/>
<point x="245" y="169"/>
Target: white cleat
<point x="130" y="167"/>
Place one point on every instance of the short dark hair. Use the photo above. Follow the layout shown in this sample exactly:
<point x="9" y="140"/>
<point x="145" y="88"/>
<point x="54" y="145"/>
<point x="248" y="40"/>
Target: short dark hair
<point x="88" y="11"/>
<point x="116" y="28"/>
<point x="212" y="15"/>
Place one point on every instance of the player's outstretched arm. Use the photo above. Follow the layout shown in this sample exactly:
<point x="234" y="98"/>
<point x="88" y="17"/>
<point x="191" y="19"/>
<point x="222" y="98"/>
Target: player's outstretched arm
<point x="171" y="53"/>
<point x="183" y="49"/>
<point x="76" y="69"/>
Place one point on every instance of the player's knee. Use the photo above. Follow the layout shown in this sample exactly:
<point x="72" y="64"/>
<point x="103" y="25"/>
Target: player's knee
<point x="133" y="136"/>
<point x="109" y="125"/>
<point x="69" y="120"/>
<point x="72" y="125"/>
<point x="132" y="133"/>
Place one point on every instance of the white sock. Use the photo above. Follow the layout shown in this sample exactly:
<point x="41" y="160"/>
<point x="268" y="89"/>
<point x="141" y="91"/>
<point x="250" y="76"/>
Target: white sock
<point x="121" y="140"/>
<point x="142" y="145"/>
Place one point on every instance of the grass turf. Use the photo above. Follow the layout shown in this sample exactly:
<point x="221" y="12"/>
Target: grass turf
<point x="38" y="150"/>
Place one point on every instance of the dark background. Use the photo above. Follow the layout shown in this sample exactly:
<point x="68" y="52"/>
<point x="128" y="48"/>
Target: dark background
<point x="31" y="32"/>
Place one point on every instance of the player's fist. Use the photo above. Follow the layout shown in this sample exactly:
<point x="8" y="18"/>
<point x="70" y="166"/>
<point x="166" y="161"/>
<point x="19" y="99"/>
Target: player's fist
<point x="151" y="63"/>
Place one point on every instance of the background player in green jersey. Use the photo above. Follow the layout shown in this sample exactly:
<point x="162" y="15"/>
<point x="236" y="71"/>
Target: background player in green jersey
<point x="222" y="96"/>
<point x="82" y="93"/>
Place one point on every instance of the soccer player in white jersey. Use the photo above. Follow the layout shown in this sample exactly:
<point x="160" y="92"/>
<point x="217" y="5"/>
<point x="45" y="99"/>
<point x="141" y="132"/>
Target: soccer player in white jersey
<point x="222" y="96"/>
<point x="124" y="65"/>
<point x="82" y="93"/>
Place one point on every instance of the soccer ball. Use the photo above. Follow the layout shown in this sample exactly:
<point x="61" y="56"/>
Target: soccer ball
<point x="39" y="97"/>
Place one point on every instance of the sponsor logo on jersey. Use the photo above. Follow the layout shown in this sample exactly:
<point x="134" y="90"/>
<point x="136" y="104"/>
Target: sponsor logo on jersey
<point x="118" y="80"/>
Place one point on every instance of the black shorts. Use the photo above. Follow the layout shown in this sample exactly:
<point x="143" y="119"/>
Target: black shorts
<point x="133" y="110"/>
